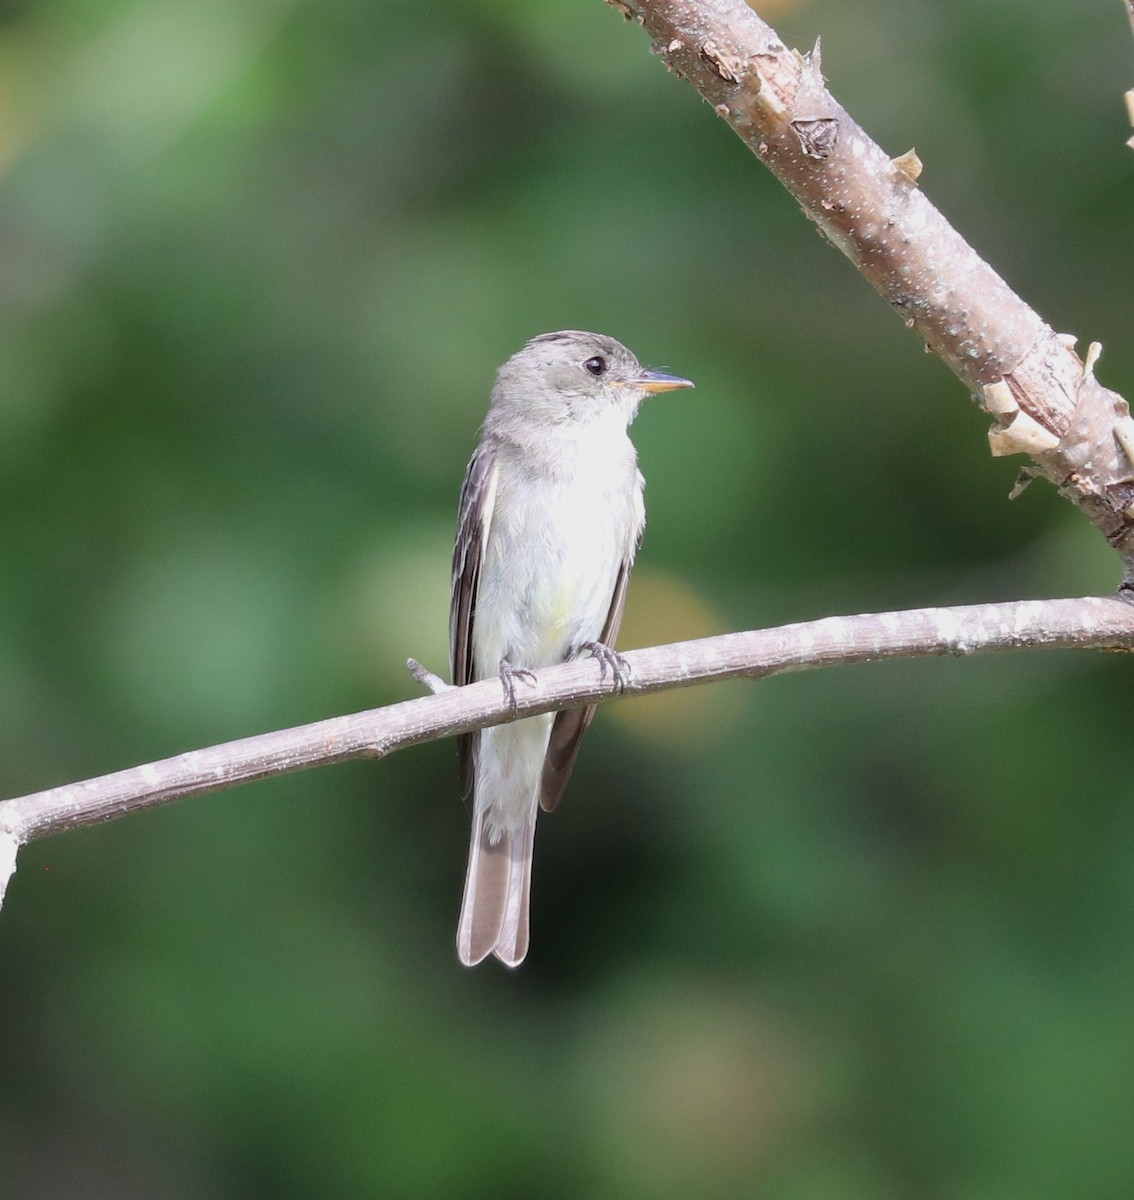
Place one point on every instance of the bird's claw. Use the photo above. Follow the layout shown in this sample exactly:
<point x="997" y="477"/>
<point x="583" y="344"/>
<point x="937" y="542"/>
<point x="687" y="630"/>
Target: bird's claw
<point x="508" y="676"/>
<point x="610" y="660"/>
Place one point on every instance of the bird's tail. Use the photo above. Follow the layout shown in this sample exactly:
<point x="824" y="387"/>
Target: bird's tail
<point x="494" y="912"/>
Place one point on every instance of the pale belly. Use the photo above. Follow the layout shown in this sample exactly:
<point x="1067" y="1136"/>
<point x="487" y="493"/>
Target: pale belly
<point x="550" y="568"/>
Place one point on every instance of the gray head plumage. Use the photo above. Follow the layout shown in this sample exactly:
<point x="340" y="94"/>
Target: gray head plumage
<point x="575" y="376"/>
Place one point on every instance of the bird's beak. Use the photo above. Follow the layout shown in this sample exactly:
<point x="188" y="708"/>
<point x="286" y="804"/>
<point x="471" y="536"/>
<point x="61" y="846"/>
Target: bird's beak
<point x="657" y="381"/>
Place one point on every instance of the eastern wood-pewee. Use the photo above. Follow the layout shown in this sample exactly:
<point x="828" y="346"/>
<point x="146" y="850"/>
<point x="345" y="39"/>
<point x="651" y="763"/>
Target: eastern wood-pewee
<point x="551" y="515"/>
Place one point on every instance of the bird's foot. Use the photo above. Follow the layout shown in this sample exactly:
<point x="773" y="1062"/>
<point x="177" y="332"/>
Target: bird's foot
<point x="609" y="660"/>
<point x="508" y="676"/>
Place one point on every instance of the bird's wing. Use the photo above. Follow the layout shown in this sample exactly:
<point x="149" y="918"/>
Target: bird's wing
<point x="478" y="499"/>
<point x="570" y="725"/>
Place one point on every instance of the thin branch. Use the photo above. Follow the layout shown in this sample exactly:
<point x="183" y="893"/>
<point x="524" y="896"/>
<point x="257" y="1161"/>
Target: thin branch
<point x="426" y="677"/>
<point x="1043" y="397"/>
<point x="1130" y="93"/>
<point x="1091" y="622"/>
<point x="9" y="848"/>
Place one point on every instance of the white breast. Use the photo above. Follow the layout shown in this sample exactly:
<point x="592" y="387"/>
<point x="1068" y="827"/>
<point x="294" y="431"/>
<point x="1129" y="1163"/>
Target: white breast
<point x="560" y="531"/>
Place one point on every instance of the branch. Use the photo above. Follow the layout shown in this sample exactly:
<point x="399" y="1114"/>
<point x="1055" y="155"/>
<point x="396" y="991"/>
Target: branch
<point x="1091" y="622"/>
<point x="1130" y="93"/>
<point x="1045" y="400"/>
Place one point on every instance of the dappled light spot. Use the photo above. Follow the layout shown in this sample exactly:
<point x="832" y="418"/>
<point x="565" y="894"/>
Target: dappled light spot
<point x="663" y="607"/>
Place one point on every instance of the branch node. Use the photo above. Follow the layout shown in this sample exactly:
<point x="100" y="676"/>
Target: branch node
<point x="730" y="69"/>
<point x="426" y="678"/>
<point x="817" y="137"/>
<point x="1124" y="436"/>
<point x="908" y="165"/>
<point x="1025" y="477"/>
<point x="1094" y="353"/>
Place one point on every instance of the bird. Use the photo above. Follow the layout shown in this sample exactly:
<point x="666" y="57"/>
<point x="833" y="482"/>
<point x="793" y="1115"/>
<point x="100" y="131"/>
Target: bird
<point x="551" y="516"/>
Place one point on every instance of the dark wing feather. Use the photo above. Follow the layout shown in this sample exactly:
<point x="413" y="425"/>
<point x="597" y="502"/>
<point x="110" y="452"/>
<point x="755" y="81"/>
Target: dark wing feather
<point x="478" y="497"/>
<point x="571" y="724"/>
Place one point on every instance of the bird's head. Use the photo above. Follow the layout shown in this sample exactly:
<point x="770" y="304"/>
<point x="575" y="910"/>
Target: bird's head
<point x="574" y="376"/>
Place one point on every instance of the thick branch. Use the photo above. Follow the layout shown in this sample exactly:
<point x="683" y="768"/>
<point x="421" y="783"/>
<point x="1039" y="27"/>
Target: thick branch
<point x="1045" y="400"/>
<point x="1092" y="622"/>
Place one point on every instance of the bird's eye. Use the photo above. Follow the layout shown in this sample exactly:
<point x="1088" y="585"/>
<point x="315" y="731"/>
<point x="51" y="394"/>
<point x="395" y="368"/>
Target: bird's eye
<point x="596" y="365"/>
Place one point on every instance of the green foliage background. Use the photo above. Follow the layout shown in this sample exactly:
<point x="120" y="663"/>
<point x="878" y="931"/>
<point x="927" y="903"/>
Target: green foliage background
<point x="856" y="934"/>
